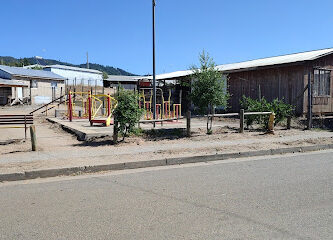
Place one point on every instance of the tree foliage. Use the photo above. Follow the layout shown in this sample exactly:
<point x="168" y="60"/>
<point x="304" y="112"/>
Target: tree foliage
<point x="105" y="75"/>
<point x="127" y="111"/>
<point x="209" y="87"/>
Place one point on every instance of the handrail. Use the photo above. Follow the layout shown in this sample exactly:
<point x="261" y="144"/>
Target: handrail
<point x="47" y="104"/>
<point x="53" y="106"/>
<point x="257" y="113"/>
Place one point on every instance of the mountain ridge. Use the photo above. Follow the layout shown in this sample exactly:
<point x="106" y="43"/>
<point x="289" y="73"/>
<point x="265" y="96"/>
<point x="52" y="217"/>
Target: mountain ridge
<point x="19" y="62"/>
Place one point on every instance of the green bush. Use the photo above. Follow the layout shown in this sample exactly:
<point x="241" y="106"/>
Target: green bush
<point x="127" y="112"/>
<point x="278" y="107"/>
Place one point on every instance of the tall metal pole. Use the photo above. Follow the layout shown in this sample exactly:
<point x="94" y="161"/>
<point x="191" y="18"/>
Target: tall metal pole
<point x="154" y="73"/>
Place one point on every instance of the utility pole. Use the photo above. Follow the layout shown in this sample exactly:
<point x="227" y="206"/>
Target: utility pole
<point x="87" y="61"/>
<point x="154" y="72"/>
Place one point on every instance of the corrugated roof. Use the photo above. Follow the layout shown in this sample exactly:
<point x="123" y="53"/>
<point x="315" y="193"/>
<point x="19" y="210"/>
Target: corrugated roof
<point x="74" y="68"/>
<point x="171" y="75"/>
<point x="12" y="83"/>
<point x="290" y="58"/>
<point x="121" y="78"/>
<point x="253" y="64"/>
<point x="19" y="71"/>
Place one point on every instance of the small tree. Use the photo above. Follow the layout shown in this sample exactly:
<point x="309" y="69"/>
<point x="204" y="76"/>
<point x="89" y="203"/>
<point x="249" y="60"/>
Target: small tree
<point x="127" y="112"/>
<point x="209" y="87"/>
<point x="105" y="76"/>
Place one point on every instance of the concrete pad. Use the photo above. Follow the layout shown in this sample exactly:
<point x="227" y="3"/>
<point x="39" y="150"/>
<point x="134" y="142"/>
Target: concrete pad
<point x="82" y="129"/>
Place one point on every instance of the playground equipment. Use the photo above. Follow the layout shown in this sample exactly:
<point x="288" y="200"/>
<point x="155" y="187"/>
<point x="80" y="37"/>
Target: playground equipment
<point x="164" y="109"/>
<point x="77" y="105"/>
<point x="91" y="106"/>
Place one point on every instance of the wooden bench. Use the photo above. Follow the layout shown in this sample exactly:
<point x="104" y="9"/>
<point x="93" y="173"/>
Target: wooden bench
<point x="17" y="121"/>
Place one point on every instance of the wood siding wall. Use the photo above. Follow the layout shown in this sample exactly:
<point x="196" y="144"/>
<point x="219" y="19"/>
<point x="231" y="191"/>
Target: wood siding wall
<point x="280" y="82"/>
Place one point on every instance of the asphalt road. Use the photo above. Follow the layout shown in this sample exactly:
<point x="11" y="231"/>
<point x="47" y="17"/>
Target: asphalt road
<point x="288" y="197"/>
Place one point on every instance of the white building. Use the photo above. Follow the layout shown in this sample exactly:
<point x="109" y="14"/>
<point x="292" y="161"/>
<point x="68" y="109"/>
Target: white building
<point x="77" y="76"/>
<point x="34" y="86"/>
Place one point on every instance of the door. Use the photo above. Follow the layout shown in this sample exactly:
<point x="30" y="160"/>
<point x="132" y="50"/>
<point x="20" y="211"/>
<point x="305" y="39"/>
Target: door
<point x="19" y="92"/>
<point x="5" y="95"/>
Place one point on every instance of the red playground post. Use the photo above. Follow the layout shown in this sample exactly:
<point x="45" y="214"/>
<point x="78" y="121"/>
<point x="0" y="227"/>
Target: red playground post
<point x="89" y="108"/>
<point x="70" y="106"/>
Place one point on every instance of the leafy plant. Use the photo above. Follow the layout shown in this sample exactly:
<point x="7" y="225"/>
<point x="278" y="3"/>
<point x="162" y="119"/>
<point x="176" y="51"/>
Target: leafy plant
<point x="127" y="112"/>
<point x="208" y="88"/>
<point x="281" y="110"/>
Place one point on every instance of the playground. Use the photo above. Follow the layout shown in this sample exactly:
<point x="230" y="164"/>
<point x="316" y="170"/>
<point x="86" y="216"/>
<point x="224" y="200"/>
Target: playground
<point x="97" y="109"/>
<point x="90" y="116"/>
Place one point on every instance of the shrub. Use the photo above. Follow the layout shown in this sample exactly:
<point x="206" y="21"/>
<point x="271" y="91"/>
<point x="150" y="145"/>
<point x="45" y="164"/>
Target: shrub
<point x="127" y="111"/>
<point x="278" y="107"/>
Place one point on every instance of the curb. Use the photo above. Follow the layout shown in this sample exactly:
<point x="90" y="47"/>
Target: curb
<point x="154" y="163"/>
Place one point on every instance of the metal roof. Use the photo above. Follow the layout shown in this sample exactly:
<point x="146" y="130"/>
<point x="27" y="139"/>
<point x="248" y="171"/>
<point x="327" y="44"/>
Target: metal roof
<point x="253" y="64"/>
<point x="19" y="71"/>
<point x="12" y="83"/>
<point x="121" y="78"/>
<point x="171" y="75"/>
<point x="33" y="66"/>
<point x="290" y="58"/>
<point x="58" y="66"/>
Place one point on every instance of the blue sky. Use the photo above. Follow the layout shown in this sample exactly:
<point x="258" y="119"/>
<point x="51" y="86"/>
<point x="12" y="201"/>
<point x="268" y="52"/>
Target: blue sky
<point x="118" y="33"/>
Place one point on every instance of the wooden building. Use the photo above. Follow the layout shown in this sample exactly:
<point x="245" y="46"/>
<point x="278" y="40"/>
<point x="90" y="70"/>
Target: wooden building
<point x="283" y="77"/>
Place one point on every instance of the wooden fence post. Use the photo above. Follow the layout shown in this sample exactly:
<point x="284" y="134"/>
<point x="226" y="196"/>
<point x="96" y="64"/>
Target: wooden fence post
<point x="289" y="122"/>
<point x="33" y="138"/>
<point x="115" y="130"/>
<point x="241" y="121"/>
<point x="188" y="123"/>
<point x="270" y="127"/>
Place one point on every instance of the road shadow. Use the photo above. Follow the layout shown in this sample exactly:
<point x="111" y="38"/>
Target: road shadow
<point x="95" y="143"/>
<point x="162" y="134"/>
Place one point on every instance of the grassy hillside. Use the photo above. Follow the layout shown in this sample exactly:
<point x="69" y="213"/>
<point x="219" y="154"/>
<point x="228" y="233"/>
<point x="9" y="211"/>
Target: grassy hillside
<point x="11" y="61"/>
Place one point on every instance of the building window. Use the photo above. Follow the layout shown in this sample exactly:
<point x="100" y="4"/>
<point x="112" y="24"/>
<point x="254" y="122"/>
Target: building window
<point x="322" y="83"/>
<point x="34" y="84"/>
<point x="54" y="84"/>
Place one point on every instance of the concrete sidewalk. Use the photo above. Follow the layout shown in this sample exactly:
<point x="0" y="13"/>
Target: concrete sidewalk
<point x="118" y="151"/>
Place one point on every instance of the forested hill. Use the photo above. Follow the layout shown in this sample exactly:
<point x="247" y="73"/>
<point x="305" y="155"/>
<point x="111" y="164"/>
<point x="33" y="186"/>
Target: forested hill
<point x="11" y="61"/>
